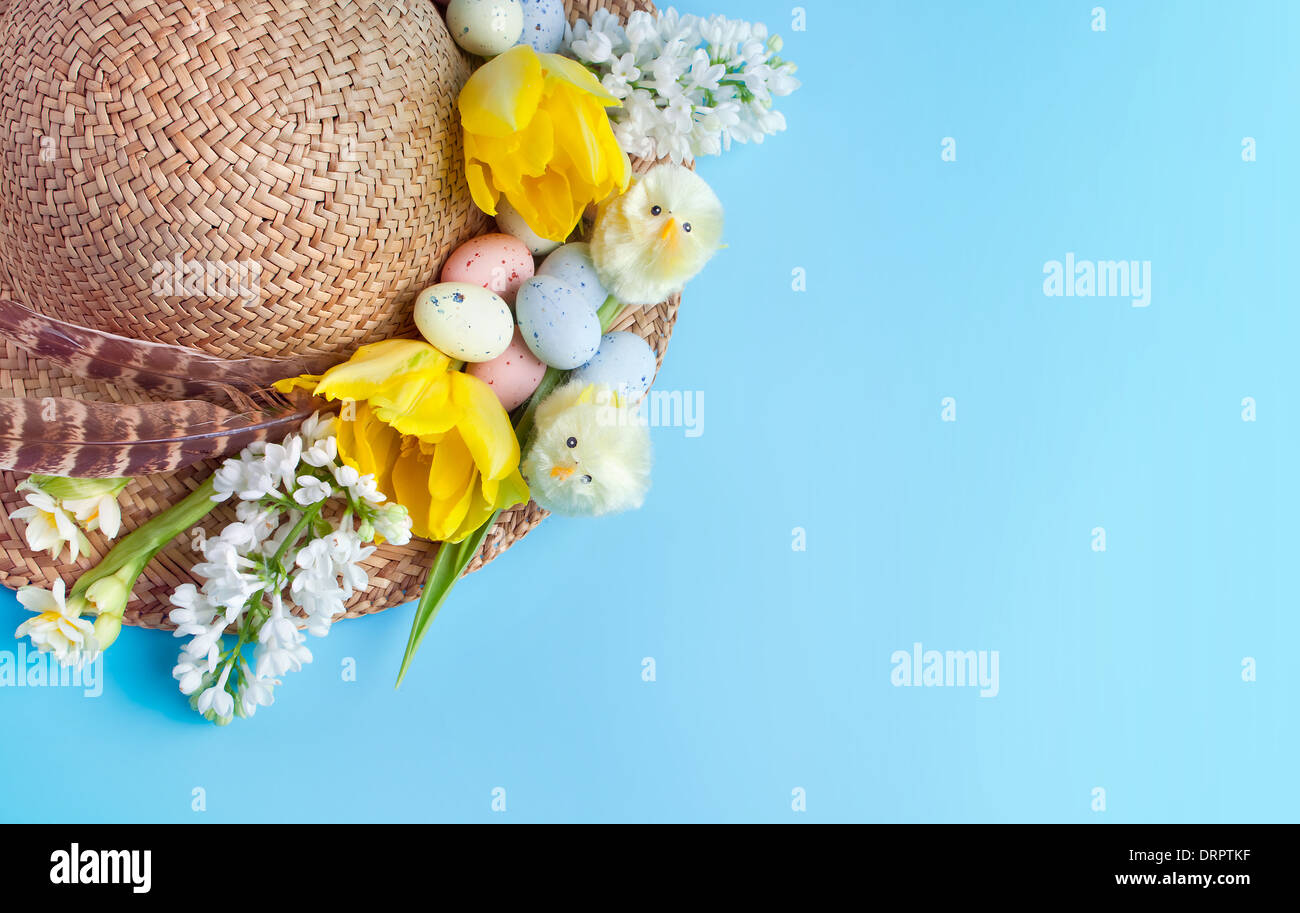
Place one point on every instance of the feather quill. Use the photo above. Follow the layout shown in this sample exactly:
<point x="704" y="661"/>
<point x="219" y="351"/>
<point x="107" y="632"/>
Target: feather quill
<point x="70" y="437"/>
<point x="176" y="372"/>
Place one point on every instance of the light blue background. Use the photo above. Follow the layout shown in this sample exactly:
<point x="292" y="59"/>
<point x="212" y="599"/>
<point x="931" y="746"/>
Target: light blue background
<point x="822" y="410"/>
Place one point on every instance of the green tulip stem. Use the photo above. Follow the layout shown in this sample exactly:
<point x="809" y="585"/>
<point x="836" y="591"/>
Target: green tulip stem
<point x="452" y="558"/>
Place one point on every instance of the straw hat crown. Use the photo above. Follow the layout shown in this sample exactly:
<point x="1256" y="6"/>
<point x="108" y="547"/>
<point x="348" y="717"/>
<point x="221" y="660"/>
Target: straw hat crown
<point x="245" y="177"/>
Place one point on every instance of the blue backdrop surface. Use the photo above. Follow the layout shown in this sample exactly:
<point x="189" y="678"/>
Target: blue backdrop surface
<point x="898" y="439"/>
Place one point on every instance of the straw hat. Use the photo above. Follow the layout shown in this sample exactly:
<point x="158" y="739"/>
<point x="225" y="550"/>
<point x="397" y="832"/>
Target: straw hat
<point x="316" y="142"/>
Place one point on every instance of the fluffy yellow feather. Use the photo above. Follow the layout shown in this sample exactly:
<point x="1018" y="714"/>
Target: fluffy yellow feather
<point x="650" y="241"/>
<point x="590" y="453"/>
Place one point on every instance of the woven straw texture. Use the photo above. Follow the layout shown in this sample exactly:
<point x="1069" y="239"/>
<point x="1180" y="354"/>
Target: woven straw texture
<point x="317" y="139"/>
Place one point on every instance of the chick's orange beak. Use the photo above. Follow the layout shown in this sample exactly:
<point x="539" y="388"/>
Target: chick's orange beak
<point x="561" y="472"/>
<point x="670" y="230"/>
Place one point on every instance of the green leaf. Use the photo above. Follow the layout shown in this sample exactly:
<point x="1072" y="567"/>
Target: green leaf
<point x="448" y="566"/>
<point x="451" y="560"/>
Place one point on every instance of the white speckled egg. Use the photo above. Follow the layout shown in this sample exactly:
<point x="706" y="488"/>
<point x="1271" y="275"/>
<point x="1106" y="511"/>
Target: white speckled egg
<point x="572" y="265"/>
<point x="624" y="361"/>
<point x="513" y="375"/>
<point x="512" y="223"/>
<point x="543" y="25"/>
<point x="558" y="325"/>
<point x="464" y="321"/>
<point x="485" y="27"/>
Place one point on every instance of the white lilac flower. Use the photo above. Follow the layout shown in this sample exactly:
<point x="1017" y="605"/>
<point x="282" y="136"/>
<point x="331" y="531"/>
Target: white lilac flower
<point x="346" y="551"/>
<point x="315" y="585"/>
<point x="229" y="583"/>
<point x="216" y="702"/>
<point x="321" y="453"/>
<point x="193" y="613"/>
<point x="319" y="427"/>
<point x="258" y="482"/>
<point x="310" y="546"/>
<point x="228" y="479"/>
<point x="261" y="520"/>
<point x="367" y="489"/>
<point x="193" y="673"/>
<point x="346" y="476"/>
<point x="690" y="86"/>
<point x="280" y="645"/>
<point x="49" y="526"/>
<point x="57" y="628"/>
<point x="393" y="522"/>
<point x="311" y="490"/>
<point x="255" y="692"/>
<point x="282" y="460"/>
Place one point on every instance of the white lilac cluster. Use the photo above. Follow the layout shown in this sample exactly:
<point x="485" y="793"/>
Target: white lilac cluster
<point x="304" y="522"/>
<point x="690" y="86"/>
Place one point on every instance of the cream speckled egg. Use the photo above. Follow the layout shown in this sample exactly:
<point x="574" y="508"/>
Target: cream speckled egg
<point x="543" y="25"/>
<point x="485" y="27"/>
<point x="464" y="321"/>
<point x="498" y="262"/>
<point x="512" y="223"/>
<point x="513" y="375"/>
<point x="559" y="326"/>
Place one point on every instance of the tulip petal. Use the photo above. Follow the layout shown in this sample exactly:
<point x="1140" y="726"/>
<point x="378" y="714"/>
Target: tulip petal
<point x="411" y="487"/>
<point x="485" y="198"/>
<point x="502" y="95"/>
<point x="573" y="74"/>
<point x="451" y="486"/>
<point x="307" y="382"/>
<point x="548" y="205"/>
<point x="372" y="369"/>
<point x="485" y="427"/>
<point x="432" y="413"/>
<point x="370" y="447"/>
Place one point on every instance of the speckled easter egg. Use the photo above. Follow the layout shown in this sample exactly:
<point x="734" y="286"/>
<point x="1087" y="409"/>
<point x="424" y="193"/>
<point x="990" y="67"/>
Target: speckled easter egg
<point x="558" y="324"/>
<point x="464" y="321"/>
<point x="513" y="375"/>
<point x="485" y="27"/>
<point x="624" y="361"/>
<point x="512" y="223"/>
<point x="572" y="265"/>
<point x="543" y="25"/>
<point x="497" y="262"/>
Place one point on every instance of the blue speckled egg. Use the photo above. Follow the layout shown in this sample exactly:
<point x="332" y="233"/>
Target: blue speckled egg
<point x="572" y="265"/>
<point x="464" y="321"/>
<point x="558" y="324"/>
<point x="543" y="25"/>
<point x="624" y="361"/>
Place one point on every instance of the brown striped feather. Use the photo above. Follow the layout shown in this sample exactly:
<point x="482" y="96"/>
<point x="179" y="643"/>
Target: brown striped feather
<point x="170" y="371"/>
<point x="69" y="437"/>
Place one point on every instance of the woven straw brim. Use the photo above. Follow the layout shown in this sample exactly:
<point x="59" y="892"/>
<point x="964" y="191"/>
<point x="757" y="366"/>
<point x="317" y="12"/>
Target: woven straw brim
<point x="397" y="573"/>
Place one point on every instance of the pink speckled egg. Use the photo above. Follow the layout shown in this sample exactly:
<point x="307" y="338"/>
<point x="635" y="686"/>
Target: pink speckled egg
<point x="513" y="375"/>
<point x="497" y="262"/>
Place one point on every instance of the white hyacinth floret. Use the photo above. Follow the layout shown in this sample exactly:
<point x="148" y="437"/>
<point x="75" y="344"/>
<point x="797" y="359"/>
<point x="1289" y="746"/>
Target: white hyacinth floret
<point x="304" y="524"/>
<point x="690" y="86"/>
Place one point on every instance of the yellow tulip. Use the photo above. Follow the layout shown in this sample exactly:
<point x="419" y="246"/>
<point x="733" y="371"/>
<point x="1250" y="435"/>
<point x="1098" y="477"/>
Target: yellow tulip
<point x="536" y="132"/>
<point x="436" y="440"/>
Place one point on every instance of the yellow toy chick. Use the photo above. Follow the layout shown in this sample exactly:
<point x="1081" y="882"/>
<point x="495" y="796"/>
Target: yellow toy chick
<point x="650" y="241"/>
<point x="590" y="452"/>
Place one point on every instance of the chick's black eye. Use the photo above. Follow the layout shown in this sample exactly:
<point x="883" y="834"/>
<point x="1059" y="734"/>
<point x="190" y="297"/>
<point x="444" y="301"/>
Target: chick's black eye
<point x="686" y="226"/>
<point x="586" y="480"/>
<point x="656" y="210"/>
<point x="571" y="443"/>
